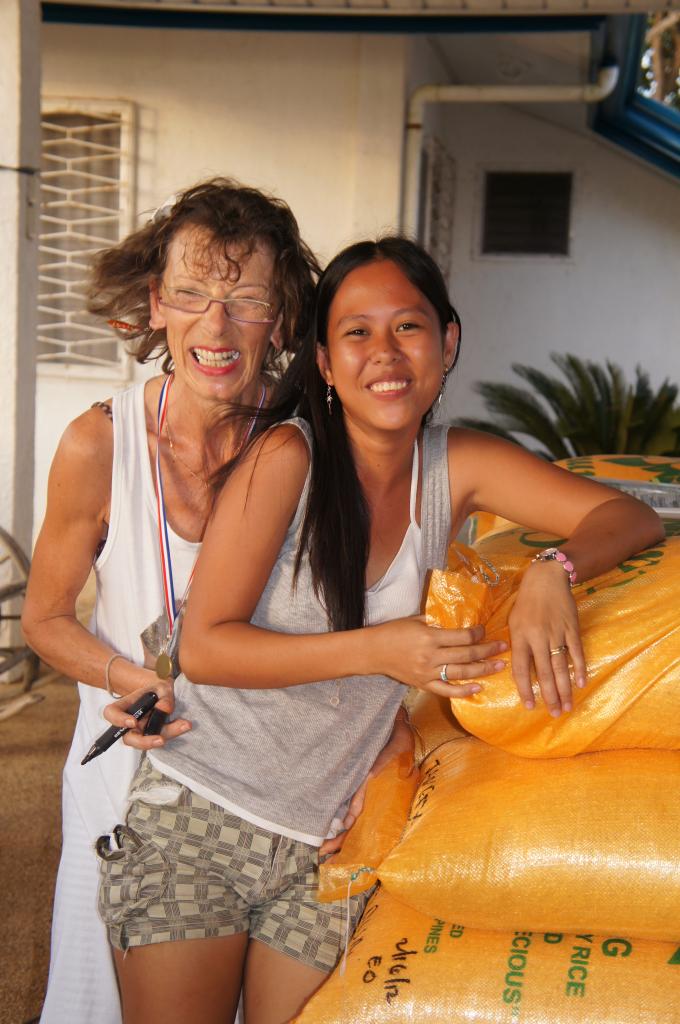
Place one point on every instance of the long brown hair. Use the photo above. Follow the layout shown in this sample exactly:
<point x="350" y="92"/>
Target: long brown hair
<point x="234" y="218"/>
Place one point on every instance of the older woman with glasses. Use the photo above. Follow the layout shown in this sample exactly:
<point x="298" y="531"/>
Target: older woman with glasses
<point x="217" y="286"/>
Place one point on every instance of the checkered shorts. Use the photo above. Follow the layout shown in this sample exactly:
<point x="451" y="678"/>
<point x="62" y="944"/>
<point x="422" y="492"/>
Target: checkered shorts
<point x="192" y="870"/>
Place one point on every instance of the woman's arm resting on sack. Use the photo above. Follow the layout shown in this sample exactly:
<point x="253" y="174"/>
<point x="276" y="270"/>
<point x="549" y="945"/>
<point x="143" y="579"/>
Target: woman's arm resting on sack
<point x="601" y="526"/>
<point x="544" y="616"/>
<point x="220" y="647"/>
<point x="78" y="500"/>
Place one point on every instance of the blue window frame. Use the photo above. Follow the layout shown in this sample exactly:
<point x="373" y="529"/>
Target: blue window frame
<point x="646" y="127"/>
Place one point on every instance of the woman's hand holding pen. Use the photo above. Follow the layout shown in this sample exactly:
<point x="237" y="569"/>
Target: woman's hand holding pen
<point x="434" y="659"/>
<point x="116" y="713"/>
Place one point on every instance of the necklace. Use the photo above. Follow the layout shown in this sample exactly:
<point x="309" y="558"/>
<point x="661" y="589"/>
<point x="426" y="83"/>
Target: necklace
<point x="177" y="457"/>
<point x="164" y="661"/>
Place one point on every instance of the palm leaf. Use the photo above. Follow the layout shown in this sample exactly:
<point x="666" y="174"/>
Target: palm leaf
<point x="656" y="417"/>
<point x="595" y="411"/>
<point x="551" y="390"/>
<point x="518" y="412"/>
<point x="580" y="379"/>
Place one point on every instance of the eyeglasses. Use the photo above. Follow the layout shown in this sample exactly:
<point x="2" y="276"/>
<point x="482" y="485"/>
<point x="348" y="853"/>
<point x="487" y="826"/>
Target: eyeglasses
<point x="248" y="311"/>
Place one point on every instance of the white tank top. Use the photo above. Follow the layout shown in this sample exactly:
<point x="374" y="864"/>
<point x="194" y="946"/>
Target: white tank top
<point x="397" y="593"/>
<point x="129" y="597"/>
<point x="291" y="757"/>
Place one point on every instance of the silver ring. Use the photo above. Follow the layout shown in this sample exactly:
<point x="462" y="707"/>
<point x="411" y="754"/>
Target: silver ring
<point x="442" y="674"/>
<point x="554" y="651"/>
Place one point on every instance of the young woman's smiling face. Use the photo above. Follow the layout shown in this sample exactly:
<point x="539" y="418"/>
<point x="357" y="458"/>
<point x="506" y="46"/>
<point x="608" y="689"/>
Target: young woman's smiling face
<point x="386" y="351"/>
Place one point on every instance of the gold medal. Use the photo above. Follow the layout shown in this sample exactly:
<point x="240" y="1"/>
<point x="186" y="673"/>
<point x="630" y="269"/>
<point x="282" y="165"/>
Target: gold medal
<point x="163" y="666"/>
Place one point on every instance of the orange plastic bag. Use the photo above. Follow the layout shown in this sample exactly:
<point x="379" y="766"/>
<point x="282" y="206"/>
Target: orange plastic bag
<point x="376" y="830"/>
<point x="404" y="966"/>
<point x="630" y="627"/>
<point x="388" y="801"/>
<point x="588" y="843"/>
<point x="433" y="723"/>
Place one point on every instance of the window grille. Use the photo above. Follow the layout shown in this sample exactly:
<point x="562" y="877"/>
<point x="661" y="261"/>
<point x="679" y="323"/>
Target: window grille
<point x="526" y="214"/>
<point x="438" y="175"/>
<point x="86" y="205"/>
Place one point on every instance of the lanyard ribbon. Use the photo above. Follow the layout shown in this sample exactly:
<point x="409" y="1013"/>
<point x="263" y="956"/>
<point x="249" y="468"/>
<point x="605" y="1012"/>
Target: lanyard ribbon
<point x="163" y="536"/>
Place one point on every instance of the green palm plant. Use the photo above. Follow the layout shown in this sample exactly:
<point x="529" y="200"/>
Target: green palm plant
<point x="595" y="410"/>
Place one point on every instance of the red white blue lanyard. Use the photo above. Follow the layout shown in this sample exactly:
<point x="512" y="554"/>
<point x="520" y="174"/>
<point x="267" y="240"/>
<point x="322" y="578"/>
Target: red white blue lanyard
<point x="163" y="538"/>
<point x="171" y="609"/>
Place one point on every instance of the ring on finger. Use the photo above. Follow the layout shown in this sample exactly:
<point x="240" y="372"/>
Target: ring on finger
<point x="554" y="651"/>
<point x="442" y="674"/>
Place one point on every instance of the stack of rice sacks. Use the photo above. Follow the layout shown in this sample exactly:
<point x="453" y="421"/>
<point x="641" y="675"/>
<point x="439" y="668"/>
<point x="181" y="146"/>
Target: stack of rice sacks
<point x="530" y="870"/>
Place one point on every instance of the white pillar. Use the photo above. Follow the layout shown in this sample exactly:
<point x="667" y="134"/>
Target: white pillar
<point x="379" y="136"/>
<point x="19" y="195"/>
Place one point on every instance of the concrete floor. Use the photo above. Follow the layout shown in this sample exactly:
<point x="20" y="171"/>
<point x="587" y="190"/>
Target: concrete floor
<point x="33" y="748"/>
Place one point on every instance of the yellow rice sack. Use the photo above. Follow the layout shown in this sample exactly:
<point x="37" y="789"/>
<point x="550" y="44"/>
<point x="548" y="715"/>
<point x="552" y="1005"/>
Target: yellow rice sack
<point x="376" y="830"/>
<point x="387" y="804"/>
<point x="404" y="966"/>
<point x="651" y="468"/>
<point x="630" y="627"/>
<point x="500" y="842"/>
<point x="433" y="723"/>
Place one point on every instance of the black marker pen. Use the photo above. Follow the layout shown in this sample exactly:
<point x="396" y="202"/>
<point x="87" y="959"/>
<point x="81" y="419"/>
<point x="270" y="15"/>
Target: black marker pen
<point x="114" y="732"/>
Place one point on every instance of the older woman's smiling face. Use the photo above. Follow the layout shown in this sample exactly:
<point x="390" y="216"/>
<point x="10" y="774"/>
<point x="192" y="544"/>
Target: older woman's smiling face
<point x="215" y="356"/>
<point x="386" y="350"/>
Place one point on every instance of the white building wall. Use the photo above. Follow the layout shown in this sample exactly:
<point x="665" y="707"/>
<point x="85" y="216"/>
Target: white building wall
<point x="315" y="118"/>
<point x="614" y="297"/>
<point x="318" y="119"/>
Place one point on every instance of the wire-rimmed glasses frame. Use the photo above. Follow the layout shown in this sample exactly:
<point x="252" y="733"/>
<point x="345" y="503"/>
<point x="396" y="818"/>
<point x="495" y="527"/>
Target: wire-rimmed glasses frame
<point x="245" y="310"/>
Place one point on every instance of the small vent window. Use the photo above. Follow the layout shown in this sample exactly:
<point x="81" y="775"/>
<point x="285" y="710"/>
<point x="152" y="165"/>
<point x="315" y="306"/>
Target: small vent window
<point x="526" y="214"/>
<point x="86" y="206"/>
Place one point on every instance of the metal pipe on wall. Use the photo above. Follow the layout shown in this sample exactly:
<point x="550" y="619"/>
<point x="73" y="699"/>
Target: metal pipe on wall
<point x="592" y="92"/>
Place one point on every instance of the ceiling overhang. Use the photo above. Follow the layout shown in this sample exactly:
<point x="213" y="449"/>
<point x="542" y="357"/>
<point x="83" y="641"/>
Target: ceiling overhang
<point x="386" y="9"/>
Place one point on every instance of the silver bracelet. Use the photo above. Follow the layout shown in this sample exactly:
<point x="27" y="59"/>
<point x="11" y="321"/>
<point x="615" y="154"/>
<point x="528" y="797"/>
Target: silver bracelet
<point x="107" y="674"/>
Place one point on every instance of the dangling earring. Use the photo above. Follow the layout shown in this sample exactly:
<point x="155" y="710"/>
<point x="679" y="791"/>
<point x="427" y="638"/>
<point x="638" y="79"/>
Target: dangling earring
<point x="445" y="377"/>
<point x="329" y="399"/>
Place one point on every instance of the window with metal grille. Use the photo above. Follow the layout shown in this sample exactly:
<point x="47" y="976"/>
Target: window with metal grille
<point x="438" y="175"/>
<point x="526" y="214"/>
<point x="86" y="205"/>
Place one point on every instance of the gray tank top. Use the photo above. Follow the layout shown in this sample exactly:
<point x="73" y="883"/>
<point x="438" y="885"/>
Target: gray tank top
<point x="289" y="759"/>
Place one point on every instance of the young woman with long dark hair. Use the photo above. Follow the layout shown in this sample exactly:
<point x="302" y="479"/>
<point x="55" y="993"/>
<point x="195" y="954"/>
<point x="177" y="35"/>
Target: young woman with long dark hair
<point x="324" y="530"/>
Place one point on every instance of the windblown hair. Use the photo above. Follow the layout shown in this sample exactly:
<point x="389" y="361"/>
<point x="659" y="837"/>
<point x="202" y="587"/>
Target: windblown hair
<point x="336" y="527"/>
<point x="235" y="219"/>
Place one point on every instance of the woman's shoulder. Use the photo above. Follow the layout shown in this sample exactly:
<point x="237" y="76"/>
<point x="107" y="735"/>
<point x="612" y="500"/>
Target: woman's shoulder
<point x="285" y="446"/>
<point x="299" y="427"/>
<point x="90" y="434"/>
<point x="466" y="441"/>
<point x="80" y="475"/>
<point x="89" y="437"/>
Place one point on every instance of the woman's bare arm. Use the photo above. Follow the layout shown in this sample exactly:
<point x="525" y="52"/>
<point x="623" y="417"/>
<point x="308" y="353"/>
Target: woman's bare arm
<point x="489" y="474"/>
<point x="78" y="500"/>
<point x="600" y="527"/>
<point x="219" y="645"/>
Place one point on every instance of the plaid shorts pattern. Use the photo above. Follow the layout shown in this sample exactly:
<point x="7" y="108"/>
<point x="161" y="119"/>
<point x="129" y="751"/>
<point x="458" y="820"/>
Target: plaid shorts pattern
<point x="193" y="870"/>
